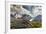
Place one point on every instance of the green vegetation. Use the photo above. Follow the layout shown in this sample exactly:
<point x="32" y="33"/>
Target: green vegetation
<point x="16" y="24"/>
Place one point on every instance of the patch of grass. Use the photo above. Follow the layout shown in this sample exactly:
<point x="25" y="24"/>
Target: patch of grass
<point x="36" y="24"/>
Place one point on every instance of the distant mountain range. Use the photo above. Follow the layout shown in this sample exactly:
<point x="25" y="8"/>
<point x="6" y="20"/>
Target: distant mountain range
<point x="39" y="17"/>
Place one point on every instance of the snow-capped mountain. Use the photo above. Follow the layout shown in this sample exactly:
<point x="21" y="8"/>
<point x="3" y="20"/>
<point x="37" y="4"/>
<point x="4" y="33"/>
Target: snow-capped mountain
<point x="32" y="12"/>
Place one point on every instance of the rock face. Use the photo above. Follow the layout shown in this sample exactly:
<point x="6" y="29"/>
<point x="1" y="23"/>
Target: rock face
<point x="29" y="8"/>
<point x="26" y="17"/>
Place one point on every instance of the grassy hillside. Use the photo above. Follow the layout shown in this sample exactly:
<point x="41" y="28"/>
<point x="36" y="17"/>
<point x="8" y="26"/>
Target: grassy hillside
<point x="25" y="24"/>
